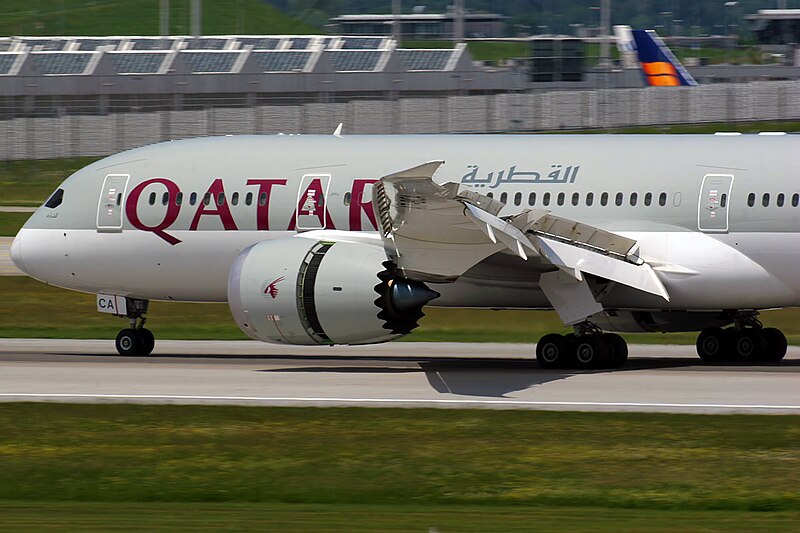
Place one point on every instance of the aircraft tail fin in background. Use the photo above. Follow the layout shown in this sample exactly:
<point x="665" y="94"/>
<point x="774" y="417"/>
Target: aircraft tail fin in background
<point x="659" y="65"/>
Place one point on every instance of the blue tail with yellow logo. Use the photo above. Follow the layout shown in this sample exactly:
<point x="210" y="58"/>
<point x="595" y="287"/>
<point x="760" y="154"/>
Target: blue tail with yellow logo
<point x="659" y="65"/>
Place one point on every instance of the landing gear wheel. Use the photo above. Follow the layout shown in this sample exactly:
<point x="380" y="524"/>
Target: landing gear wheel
<point x="749" y="344"/>
<point x="128" y="342"/>
<point x="552" y="351"/>
<point x="711" y="344"/>
<point x="776" y="345"/>
<point x="617" y="349"/>
<point x="591" y="352"/>
<point x="146" y="341"/>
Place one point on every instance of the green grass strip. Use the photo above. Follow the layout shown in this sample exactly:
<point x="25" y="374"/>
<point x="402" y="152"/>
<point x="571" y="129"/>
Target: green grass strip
<point x="706" y="129"/>
<point x="141" y="17"/>
<point x="30" y="182"/>
<point x="30" y="309"/>
<point x="416" y="457"/>
<point x="11" y="222"/>
<point x="327" y="518"/>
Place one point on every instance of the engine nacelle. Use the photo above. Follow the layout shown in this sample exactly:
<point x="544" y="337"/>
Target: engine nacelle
<point x="303" y="291"/>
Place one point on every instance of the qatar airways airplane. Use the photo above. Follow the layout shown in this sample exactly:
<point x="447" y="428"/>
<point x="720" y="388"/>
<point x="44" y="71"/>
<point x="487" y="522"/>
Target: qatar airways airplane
<point x="344" y="239"/>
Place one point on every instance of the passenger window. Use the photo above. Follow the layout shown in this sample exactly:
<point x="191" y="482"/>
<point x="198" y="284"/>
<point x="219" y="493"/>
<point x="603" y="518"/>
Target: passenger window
<point x="634" y="198"/>
<point x="546" y="199"/>
<point x="504" y="198"/>
<point x="662" y="199"/>
<point x="193" y="198"/>
<point x="235" y="198"/>
<point x="518" y="199"/>
<point x="221" y="198"/>
<point x="648" y="199"/>
<point x="119" y="199"/>
<point x="165" y="198"/>
<point x="347" y="198"/>
<point x="561" y="197"/>
<point x="765" y="199"/>
<point x="751" y="199"/>
<point x="576" y="198"/>
<point x="532" y="199"/>
<point x="490" y="194"/>
<point x="604" y="199"/>
<point x="676" y="199"/>
<point x="179" y="198"/>
<point x="262" y="199"/>
<point x="248" y="200"/>
<point x="795" y="199"/>
<point x="152" y="199"/>
<point x="56" y="199"/>
<point x="589" y="198"/>
<point x="207" y="198"/>
<point x="780" y="200"/>
<point x="723" y="200"/>
<point x="618" y="199"/>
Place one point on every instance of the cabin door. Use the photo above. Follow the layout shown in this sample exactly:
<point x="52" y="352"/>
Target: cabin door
<point x="109" y="208"/>
<point x="312" y="209"/>
<point x="715" y="199"/>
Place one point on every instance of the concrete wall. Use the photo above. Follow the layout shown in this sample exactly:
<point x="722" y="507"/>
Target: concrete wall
<point x="97" y="135"/>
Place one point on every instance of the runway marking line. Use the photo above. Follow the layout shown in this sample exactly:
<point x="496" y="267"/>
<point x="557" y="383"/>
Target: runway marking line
<point x="396" y="401"/>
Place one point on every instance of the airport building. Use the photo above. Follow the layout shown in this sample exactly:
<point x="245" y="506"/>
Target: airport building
<point x="76" y="96"/>
<point x="102" y="73"/>
<point x="44" y="76"/>
<point x="776" y="26"/>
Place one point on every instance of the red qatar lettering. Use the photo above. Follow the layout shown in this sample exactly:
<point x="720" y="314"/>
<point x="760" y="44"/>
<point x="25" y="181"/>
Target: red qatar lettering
<point x="262" y="211"/>
<point x="169" y="217"/>
<point x="315" y="188"/>
<point x="222" y="211"/>
<point x="358" y="204"/>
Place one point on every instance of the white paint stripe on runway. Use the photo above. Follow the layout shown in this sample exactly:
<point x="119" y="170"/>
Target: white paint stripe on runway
<point x="396" y="401"/>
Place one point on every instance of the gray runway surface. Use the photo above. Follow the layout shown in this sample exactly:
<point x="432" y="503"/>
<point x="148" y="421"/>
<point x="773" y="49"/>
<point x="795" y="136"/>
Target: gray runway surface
<point x="16" y="209"/>
<point x="657" y="378"/>
<point x="7" y="268"/>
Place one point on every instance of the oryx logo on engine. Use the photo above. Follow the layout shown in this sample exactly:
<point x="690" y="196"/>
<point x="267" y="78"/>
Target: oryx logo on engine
<point x="272" y="288"/>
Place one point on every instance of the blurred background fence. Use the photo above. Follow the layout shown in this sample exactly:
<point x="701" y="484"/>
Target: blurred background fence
<point x="96" y="128"/>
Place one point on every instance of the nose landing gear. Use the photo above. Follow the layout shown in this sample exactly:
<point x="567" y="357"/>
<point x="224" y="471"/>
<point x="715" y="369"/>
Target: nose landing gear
<point x="136" y="340"/>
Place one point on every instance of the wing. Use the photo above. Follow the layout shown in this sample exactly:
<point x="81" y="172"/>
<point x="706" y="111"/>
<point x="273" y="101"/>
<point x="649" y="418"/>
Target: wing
<point x="437" y="232"/>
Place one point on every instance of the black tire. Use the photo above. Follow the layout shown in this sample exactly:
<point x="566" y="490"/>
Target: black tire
<point x="128" y="343"/>
<point x="591" y="352"/>
<point x="749" y="345"/>
<point x="776" y="345"/>
<point x="146" y="341"/>
<point x="712" y="345"/>
<point x="618" y="349"/>
<point x="552" y="351"/>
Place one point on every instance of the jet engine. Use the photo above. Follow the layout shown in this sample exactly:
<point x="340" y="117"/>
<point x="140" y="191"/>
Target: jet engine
<point x="304" y="291"/>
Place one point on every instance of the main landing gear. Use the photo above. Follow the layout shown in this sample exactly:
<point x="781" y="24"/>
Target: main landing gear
<point x="747" y="342"/>
<point x="136" y="340"/>
<point x="587" y="348"/>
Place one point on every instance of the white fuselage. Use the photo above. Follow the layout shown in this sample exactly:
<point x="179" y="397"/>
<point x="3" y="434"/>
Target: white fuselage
<point x="136" y="224"/>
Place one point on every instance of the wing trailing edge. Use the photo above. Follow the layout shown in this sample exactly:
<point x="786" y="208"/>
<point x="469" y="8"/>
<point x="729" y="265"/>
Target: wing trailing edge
<point x="437" y="232"/>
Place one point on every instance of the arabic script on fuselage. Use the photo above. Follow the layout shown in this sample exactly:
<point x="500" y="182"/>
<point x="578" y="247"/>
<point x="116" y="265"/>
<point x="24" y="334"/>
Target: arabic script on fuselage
<point x="555" y="174"/>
